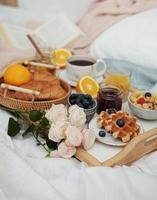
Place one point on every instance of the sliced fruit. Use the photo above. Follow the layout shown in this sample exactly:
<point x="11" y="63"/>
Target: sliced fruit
<point x="87" y="85"/>
<point x="16" y="74"/>
<point x="59" y="57"/>
<point x="141" y="100"/>
<point x="133" y="98"/>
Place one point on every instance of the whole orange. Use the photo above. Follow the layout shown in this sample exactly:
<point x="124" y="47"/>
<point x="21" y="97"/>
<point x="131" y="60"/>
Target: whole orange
<point x="16" y="74"/>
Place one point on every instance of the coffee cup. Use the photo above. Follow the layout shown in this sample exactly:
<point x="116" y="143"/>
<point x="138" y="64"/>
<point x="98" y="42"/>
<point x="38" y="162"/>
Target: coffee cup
<point x="80" y="65"/>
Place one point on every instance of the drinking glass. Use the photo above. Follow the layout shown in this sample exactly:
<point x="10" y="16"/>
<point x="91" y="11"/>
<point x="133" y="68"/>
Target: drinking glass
<point x="121" y="80"/>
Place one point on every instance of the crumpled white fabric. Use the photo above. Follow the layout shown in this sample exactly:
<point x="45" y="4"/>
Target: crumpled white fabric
<point x="8" y="54"/>
<point x="25" y="173"/>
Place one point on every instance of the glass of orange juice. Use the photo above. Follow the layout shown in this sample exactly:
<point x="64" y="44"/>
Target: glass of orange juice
<point x="121" y="80"/>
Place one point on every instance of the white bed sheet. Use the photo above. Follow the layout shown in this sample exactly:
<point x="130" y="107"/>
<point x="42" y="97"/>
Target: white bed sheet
<point x="26" y="174"/>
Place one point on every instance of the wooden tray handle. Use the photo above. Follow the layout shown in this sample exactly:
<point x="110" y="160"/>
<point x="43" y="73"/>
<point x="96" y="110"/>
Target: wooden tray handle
<point x="19" y="89"/>
<point x="137" y="147"/>
<point x="84" y="156"/>
<point x="37" y="64"/>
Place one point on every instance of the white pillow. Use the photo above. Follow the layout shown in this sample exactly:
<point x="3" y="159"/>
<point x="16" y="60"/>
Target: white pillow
<point x="133" y="39"/>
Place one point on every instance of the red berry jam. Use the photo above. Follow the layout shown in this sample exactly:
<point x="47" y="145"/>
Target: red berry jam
<point x="109" y="97"/>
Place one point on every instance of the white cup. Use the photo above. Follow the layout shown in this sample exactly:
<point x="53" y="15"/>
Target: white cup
<point x="80" y="65"/>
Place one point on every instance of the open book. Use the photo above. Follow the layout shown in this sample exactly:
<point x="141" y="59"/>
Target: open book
<point x="56" y="33"/>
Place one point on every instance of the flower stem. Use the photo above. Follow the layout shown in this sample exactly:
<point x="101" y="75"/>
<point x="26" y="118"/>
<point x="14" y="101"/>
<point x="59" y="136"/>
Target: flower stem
<point x="39" y="142"/>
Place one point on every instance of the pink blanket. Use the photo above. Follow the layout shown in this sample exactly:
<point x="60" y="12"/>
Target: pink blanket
<point x="102" y="14"/>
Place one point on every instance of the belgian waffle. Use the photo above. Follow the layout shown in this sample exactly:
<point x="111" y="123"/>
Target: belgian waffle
<point x="129" y="130"/>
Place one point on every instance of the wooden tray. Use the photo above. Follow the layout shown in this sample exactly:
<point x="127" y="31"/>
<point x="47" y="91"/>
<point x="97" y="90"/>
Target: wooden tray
<point x="35" y="105"/>
<point x="136" y="148"/>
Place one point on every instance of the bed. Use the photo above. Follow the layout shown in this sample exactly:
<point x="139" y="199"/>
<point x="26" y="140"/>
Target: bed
<point x="25" y="172"/>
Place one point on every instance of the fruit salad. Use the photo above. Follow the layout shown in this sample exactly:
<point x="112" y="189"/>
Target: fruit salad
<point x="145" y="100"/>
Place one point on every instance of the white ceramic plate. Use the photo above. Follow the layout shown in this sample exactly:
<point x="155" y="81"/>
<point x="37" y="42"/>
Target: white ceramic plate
<point x="108" y="139"/>
<point x="63" y="75"/>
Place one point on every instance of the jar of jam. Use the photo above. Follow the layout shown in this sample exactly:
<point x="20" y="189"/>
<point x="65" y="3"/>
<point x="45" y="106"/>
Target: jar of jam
<point x="109" y="97"/>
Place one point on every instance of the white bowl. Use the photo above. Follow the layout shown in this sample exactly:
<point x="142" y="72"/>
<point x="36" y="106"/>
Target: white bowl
<point x="141" y="112"/>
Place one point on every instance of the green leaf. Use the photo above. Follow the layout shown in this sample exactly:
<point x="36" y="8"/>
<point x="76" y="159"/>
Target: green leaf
<point x="30" y="129"/>
<point x="35" y="115"/>
<point x="13" y="127"/>
<point x="44" y="122"/>
<point x="51" y="144"/>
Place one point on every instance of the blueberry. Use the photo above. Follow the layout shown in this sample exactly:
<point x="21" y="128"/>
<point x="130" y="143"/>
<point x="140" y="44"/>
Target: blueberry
<point x="78" y="99"/>
<point x="147" y="94"/>
<point x="92" y="103"/>
<point x="80" y="105"/>
<point x="72" y="101"/>
<point x="102" y="133"/>
<point x="81" y="95"/>
<point x="87" y="96"/>
<point x="111" y="111"/>
<point x="89" y="106"/>
<point x="85" y="103"/>
<point x="120" y="122"/>
<point x="73" y="96"/>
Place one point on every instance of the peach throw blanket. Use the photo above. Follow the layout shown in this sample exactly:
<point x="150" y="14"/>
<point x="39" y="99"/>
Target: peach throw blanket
<point x="102" y="14"/>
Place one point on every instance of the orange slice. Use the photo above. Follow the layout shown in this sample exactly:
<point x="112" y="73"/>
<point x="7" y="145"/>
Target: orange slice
<point x="87" y="85"/>
<point x="16" y="74"/>
<point x="59" y="57"/>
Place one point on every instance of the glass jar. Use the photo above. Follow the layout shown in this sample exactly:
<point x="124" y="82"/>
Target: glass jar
<point x="109" y="97"/>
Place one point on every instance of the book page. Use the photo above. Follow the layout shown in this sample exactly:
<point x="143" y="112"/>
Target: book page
<point x="58" y="32"/>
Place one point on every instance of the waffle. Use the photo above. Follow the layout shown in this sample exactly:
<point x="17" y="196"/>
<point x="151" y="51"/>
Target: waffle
<point x="109" y="122"/>
<point x="103" y="119"/>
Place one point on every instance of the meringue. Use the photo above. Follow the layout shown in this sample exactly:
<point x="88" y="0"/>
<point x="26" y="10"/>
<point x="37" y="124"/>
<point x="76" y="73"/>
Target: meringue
<point x="57" y="130"/>
<point x="73" y="136"/>
<point x="57" y="112"/>
<point x="65" y="151"/>
<point x="88" y="138"/>
<point x="77" y="116"/>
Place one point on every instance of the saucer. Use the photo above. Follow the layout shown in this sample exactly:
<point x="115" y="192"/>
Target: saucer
<point x="108" y="139"/>
<point x="63" y="75"/>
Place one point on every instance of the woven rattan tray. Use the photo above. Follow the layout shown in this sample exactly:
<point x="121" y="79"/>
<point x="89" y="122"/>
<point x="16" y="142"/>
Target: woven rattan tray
<point x="34" y="105"/>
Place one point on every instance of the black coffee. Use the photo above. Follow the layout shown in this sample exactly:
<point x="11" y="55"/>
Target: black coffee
<point x="81" y="62"/>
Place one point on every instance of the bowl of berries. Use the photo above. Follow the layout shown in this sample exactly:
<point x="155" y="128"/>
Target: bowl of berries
<point x="143" y="105"/>
<point x="84" y="101"/>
